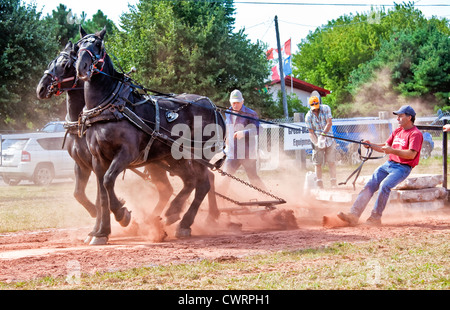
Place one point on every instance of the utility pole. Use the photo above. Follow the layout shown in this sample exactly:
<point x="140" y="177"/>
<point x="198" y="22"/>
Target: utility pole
<point x="280" y="62"/>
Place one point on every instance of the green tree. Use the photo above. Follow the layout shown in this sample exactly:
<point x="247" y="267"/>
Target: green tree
<point x="64" y="23"/>
<point x="190" y="46"/>
<point x="98" y="21"/>
<point x="418" y="62"/>
<point x="328" y="56"/>
<point x="26" y="46"/>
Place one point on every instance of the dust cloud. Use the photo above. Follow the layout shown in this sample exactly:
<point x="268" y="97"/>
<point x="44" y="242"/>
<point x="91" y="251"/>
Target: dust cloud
<point x="380" y="93"/>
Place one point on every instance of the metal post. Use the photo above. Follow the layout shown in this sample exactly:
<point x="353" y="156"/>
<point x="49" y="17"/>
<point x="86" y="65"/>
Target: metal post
<point x="444" y="157"/>
<point x="280" y="63"/>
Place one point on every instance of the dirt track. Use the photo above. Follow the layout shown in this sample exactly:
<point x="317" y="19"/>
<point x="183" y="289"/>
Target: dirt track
<point x="29" y="255"/>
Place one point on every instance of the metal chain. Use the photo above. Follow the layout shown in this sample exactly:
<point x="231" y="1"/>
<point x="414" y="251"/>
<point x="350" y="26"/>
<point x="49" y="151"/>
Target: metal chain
<point x="247" y="184"/>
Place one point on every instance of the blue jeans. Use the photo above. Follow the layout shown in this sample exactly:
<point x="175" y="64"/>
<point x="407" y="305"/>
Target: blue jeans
<point x="386" y="177"/>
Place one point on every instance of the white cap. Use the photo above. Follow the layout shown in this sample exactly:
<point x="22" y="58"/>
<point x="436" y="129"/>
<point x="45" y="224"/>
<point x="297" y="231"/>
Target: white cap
<point x="236" y="96"/>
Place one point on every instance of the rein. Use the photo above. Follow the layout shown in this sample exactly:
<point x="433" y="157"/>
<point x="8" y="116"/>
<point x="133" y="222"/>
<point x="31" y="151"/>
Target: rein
<point x="155" y="134"/>
<point x="357" y="171"/>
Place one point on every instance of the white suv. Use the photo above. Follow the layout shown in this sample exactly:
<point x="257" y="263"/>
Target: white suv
<point x="37" y="157"/>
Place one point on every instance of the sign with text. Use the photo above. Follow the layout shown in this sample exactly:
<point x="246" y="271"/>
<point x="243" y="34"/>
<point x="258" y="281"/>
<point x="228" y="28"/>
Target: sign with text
<point x="297" y="137"/>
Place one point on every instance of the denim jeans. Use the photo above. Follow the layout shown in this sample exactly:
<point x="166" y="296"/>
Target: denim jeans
<point x="386" y="177"/>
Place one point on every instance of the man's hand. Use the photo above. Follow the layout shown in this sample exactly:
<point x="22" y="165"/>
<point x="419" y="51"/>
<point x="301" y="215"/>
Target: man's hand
<point x="366" y="145"/>
<point x="239" y="135"/>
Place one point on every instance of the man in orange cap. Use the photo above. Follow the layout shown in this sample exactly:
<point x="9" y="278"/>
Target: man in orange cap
<point x="319" y="121"/>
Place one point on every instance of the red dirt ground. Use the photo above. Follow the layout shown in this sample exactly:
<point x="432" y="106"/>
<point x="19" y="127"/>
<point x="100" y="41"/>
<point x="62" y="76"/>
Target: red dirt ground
<point x="34" y="254"/>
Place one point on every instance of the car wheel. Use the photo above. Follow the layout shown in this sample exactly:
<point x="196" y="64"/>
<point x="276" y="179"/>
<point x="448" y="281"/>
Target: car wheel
<point x="426" y="150"/>
<point x="11" y="181"/>
<point x="43" y="175"/>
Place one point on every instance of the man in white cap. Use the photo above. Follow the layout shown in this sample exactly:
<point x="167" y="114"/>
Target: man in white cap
<point x="403" y="147"/>
<point x="242" y="133"/>
<point x="319" y="121"/>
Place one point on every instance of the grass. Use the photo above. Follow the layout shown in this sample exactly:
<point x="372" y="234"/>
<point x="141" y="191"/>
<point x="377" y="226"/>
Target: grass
<point x="29" y="207"/>
<point x="391" y="264"/>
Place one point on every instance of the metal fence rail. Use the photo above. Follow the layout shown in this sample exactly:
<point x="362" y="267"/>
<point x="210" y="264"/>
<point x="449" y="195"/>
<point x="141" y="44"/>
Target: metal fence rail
<point x="277" y="143"/>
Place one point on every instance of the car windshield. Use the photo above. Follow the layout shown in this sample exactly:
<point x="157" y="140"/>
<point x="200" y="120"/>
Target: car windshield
<point x="53" y="127"/>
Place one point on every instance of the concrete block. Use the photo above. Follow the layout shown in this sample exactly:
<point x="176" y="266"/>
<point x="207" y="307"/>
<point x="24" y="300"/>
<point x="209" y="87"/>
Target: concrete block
<point x="335" y="195"/>
<point x="424" y="206"/>
<point x="419" y="195"/>
<point x="419" y="181"/>
<point x="414" y="181"/>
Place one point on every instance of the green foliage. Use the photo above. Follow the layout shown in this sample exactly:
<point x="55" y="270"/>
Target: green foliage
<point x="27" y="43"/>
<point x="63" y="23"/>
<point x="25" y="47"/>
<point x="190" y="46"/>
<point x="339" y="54"/>
<point x="293" y="102"/>
<point x="418" y="61"/>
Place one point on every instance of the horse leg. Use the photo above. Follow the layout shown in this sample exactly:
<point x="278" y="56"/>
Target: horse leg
<point x="173" y="212"/>
<point x="82" y="175"/>
<point x="98" y="217"/>
<point x="121" y="214"/>
<point x="159" y="177"/>
<point x="201" y="189"/>
<point x="103" y="220"/>
<point x="214" y="212"/>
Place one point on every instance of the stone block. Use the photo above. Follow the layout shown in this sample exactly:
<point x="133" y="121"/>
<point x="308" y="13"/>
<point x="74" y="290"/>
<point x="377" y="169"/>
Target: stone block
<point x="413" y="181"/>
<point x="424" y="206"/>
<point x="419" y="181"/>
<point x="419" y="195"/>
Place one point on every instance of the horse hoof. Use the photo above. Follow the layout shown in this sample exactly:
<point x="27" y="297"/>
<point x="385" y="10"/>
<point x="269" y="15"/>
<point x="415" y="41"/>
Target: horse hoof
<point x="99" y="241"/>
<point x="183" y="232"/>
<point x="172" y="219"/>
<point x="88" y="240"/>
<point x="126" y="219"/>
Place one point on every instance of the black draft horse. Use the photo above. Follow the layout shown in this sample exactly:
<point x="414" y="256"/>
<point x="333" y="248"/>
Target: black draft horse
<point x="123" y="130"/>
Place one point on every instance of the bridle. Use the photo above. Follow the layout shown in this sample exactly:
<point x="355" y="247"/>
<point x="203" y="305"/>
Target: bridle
<point x="95" y="58"/>
<point x="55" y="85"/>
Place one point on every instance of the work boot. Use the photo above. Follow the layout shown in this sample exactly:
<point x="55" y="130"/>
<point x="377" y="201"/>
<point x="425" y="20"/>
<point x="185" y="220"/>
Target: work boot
<point x="371" y="221"/>
<point x="349" y="218"/>
<point x="319" y="184"/>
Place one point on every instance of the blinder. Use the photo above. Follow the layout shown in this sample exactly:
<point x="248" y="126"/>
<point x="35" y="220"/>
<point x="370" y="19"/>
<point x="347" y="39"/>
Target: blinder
<point x="55" y="85"/>
<point x="95" y="58"/>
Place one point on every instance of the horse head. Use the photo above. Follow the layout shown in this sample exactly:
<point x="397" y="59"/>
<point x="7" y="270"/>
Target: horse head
<point x="91" y="54"/>
<point x="60" y="74"/>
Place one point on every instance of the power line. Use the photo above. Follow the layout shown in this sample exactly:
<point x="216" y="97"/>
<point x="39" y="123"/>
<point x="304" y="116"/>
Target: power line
<point x="336" y="4"/>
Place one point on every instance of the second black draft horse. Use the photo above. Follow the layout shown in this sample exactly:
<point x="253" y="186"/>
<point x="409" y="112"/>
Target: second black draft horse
<point x="125" y="129"/>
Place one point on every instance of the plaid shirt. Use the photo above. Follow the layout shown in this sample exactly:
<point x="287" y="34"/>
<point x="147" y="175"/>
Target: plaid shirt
<point x="318" y="123"/>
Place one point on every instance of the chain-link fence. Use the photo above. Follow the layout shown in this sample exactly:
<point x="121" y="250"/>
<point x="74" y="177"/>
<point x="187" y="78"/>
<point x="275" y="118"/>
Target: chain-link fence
<point x="280" y="144"/>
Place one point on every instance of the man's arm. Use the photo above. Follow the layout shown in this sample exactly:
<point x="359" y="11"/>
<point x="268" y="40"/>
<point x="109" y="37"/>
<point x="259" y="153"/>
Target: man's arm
<point x="328" y="126"/>
<point x="312" y="136"/>
<point x="375" y="146"/>
<point x="406" y="154"/>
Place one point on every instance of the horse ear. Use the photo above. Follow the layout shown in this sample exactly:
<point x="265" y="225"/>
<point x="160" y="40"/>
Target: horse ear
<point x="69" y="45"/>
<point x="102" y="33"/>
<point x="82" y="32"/>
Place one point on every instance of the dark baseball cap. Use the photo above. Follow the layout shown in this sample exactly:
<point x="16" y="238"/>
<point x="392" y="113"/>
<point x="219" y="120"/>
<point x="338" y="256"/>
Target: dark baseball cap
<point x="406" y="109"/>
